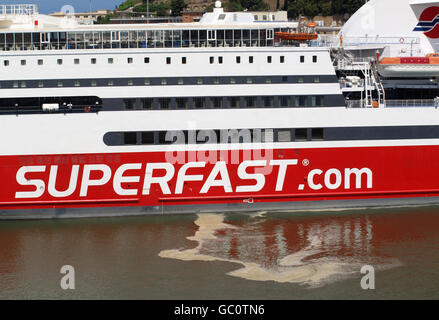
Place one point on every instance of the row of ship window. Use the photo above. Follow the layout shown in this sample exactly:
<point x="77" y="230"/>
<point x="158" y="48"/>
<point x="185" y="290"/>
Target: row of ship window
<point x="225" y="102"/>
<point x="213" y="136"/>
<point x="158" y="81"/>
<point x="168" y="60"/>
<point x="138" y="39"/>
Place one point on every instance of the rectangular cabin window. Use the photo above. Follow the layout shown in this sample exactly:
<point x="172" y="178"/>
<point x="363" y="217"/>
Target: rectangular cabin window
<point x="250" y="102"/>
<point x="268" y="102"/>
<point x="129" y="104"/>
<point x="110" y="83"/>
<point x="146" y="60"/>
<point x="284" y="135"/>
<point x="216" y="103"/>
<point x="314" y="59"/>
<point x="60" y="83"/>
<point x="282" y="59"/>
<point x="59" y="61"/>
<point x="40" y="84"/>
<point x="284" y="101"/>
<point x="233" y="102"/>
<point x="320" y="101"/>
<point x="164" y="103"/>
<point x="268" y="59"/>
<point x="130" y="138"/>
<point x="94" y="83"/>
<point x="302" y="59"/>
<point x="148" y="137"/>
<point x="301" y="134"/>
<point x="250" y="59"/>
<point x="300" y="80"/>
<point x="211" y="59"/>
<point x="77" y="83"/>
<point x="317" y="134"/>
<point x="76" y="61"/>
<point x="183" y="60"/>
<point x="199" y="103"/>
<point x="181" y="103"/>
<point x="110" y="60"/>
<point x="40" y="62"/>
<point x="130" y="60"/>
<point x="6" y="63"/>
<point x="302" y="101"/>
<point x="220" y="60"/>
<point x="130" y="82"/>
<point x="23" y="62"/>
<point x="180" y="81"/>
<point x="199" y="81"/>
<point x="147" y="103"/>
<point x="147" y="82"/>
<point x="249" y="80"/>
<point x="164" y="82"/>
<point x="232" y="80"/>
<point x="285" y="79"/>
<point x="15" y="84"/>
<point x="168" y="60"/>
<point x="268" y="80"/>
<point x="316" y="79"/>
<point x="23" y="84"/>
<point x="238" y="59"/>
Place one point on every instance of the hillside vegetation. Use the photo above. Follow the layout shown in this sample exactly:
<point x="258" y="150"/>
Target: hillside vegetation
<point x="295" y="8"/>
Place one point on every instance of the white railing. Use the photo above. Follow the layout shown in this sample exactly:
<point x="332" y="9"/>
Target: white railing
<point x="355" y="103"/>
<point x="18" y="9"/>
<point x="411" y="103"/>
<point x="326" y="41"/>
<point x="355" y="41"/>
<point x="415" y="103"/>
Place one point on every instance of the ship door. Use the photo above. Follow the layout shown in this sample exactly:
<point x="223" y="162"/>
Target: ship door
<point x="270" y="34"/>
<point x="270" y="37"/>
<point x="115" y="39"/>
<point x="211" y="37"/>
<point x="45" y="40"/>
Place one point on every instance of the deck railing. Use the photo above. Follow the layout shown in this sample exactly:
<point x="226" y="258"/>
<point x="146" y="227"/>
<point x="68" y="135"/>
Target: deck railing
<point x="356" y="41"/>
<point x="412" y="103"/>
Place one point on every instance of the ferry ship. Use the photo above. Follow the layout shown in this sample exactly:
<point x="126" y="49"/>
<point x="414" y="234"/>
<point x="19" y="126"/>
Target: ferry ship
<point x="218" y="115"/>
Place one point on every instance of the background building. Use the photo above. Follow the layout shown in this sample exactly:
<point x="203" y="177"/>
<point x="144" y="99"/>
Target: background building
<point x="83" y="17"/>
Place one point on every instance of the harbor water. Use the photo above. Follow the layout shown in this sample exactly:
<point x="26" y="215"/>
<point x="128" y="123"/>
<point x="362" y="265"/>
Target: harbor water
<point x="225" y="256"/>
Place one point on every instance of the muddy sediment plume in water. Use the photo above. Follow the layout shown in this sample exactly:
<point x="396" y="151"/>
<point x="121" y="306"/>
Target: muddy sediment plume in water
<point x="312" y="264"/>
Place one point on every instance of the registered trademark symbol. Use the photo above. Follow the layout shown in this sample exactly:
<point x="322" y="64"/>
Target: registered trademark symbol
<point x="305" y="162"/>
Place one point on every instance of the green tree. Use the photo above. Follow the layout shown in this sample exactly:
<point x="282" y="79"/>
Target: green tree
<point x="104" y="20"/>
<point x="161" y="9"/>
<point x="233" y="5"/>
<point x="311" y="8"/>
<point x="255" y="5"/>
<point x="210" y="7"/>
<point x="177" y="7"/>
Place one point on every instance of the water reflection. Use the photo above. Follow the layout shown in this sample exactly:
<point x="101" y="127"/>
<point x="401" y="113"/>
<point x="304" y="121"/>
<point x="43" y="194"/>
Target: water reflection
<point x="310" y="251"/>
<point x="153" y="256"/>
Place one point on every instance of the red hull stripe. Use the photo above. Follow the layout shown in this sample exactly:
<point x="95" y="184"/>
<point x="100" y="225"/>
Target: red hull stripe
<point x="216" y="177"/>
